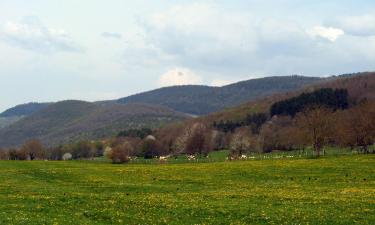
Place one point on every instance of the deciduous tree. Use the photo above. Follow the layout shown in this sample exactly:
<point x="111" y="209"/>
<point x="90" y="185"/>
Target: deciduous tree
<point x="316" y="126"/>
<point x="356" y="126"/>
<point x="33" y="149"/>
<point x="121" y="153"/>
<point x="243" y="142"/>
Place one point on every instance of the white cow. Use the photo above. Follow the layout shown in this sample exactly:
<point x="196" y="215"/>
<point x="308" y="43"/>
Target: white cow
<point x="163" y="158"/>
<point x="191" y="157"/>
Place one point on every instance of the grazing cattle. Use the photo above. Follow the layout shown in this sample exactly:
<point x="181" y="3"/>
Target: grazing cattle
<point x="191" y="157"/>
<point x="164" y="158"/>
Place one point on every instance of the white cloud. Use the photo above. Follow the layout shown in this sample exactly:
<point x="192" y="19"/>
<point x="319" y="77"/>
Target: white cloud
<point x="32" y="34"/>
<point x="202" y="36"/>
<point x="222" y="40"/>
<point x="363" y="25"/>
<point x="213" y="40"/>
<point x="111" y="35"/>
<point x="329" y="33"/>
<point x="179" y="76"/>
<point x="280" y="38"/>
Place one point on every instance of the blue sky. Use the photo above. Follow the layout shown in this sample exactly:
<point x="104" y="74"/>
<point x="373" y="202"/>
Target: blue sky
<point x="92" y="49"/>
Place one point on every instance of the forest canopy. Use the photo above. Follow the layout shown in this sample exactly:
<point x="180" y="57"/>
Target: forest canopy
<point x="328" y="97"/>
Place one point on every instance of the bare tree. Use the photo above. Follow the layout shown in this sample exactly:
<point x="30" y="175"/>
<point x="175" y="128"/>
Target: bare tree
<point x="121" y="153"/>
<point x="4" y="155"/>
<point x="278" y="134"/>
<point x="243" y="142"/>
<point x="357" y="126"/>
<point x="150" y="147"/>
<point x="33" y="149"/>
<point x="196" y="142"/>
<point x="316" y="125"/>
<point x="196" y="139"/>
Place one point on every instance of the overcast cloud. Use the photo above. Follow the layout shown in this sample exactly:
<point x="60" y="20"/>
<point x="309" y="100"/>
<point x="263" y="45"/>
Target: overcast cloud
<point x="94" y="50"/>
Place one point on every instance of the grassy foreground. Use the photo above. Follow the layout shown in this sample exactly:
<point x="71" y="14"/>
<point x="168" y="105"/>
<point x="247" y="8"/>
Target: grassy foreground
<point x="333" y="190"/>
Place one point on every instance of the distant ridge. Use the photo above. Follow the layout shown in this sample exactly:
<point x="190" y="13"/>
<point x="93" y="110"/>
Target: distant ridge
<point x="195" y="99"/>
<point x="360" y="86"/>
<point x="24" y="109"/>
<point x="69" y="121"/>
<point x="201" y="100"/>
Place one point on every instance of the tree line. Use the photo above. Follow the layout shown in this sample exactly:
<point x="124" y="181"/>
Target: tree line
<point x="298" y="123"/>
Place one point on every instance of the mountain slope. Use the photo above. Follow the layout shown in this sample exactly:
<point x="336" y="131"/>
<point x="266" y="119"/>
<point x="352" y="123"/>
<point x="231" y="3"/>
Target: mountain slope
<point x="200" y="100"/>
<point x="360" y="86"/>
<point x="18" y="112"/>
<point x="68" y="121"/>
<point x="24" y="109"/>
<point x="7" y="121"/>
<point x="194" y="99"/>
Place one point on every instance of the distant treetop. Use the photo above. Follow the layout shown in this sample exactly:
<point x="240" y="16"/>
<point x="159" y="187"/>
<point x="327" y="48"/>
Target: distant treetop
<point x="332" y="98"/>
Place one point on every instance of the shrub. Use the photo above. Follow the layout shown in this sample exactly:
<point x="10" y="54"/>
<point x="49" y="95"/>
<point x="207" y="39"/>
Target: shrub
<point x="121" y="153"/>
<point x="67" y="156"/>
<point x="107" y="152"/>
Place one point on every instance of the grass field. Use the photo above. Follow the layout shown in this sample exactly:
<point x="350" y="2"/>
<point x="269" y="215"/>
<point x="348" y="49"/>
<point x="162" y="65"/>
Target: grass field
<point x="331" y="190"/>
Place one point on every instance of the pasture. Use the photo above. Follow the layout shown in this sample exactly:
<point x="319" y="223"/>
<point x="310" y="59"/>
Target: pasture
<point x="329" y="190"/>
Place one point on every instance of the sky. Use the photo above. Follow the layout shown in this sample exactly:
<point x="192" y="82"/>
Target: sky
<point x="53" y="50"/>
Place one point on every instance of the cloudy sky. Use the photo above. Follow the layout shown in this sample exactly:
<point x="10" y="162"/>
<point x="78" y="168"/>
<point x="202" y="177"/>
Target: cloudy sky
<point x="93" y="49"/>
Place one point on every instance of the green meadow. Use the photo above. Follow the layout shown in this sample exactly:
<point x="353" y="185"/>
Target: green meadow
<point x="329" y="190"/>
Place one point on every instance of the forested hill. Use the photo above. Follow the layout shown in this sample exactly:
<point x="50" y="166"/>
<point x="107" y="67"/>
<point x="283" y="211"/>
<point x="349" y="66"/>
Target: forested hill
<point x="68" y="121"/>
<point x="200" y="100"/>
<point x="190" y="99"/>
<point x="360" y="86"/>
<point x="24" y="109"/>
<point x="18" y="112"/>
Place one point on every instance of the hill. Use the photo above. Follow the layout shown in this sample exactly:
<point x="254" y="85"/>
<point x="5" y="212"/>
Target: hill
<point x="18" y="112"/>
<point x="7" y="121"/>
<point x="24" y="109"/>
<point x="360" y="86"/>
<point x="344" y="119"/>
<point x="190" y="99"/>
<point x="201" y="100"/>
<point x="68" y="121"/>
